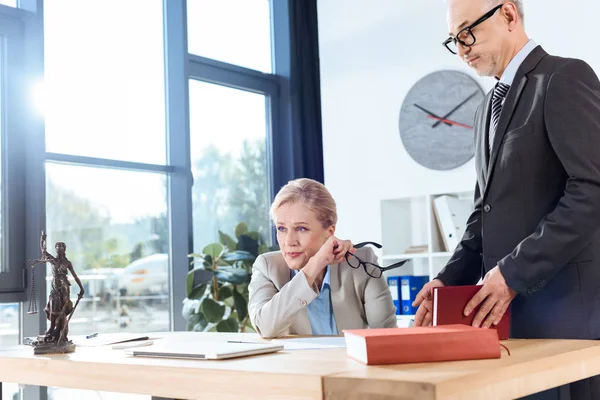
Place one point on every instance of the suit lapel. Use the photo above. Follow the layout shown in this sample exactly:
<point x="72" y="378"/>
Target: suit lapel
<point x="508" y="110"/>
<point x="337" y="298"/>
<point x="510" y="104"/>
<point x="282" y="275"/>
<point x="483" y="157"/>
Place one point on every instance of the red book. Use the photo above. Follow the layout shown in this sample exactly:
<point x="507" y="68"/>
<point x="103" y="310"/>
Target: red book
<point x="421" y="344"/>
<point x="449" y="303"/>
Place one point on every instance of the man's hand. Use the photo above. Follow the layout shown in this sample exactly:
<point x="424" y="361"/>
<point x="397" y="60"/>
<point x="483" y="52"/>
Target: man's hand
<point x="496" y="297"/>
<point x="424" y="300"/>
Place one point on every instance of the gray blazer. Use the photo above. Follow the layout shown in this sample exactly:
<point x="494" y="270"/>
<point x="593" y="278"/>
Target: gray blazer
<point x="277" y="305"/>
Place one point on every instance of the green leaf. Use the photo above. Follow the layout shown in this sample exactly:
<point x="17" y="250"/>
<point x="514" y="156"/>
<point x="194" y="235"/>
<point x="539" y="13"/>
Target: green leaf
<point x="223" y="263"/>
<point x="227" y="325"/>
<point x="263" y="248"/>
<point x="241" y="305"/>
<point x="195" y="255"/>
<point x="214" y="250"/>
<point x="225" y="292"/>
<point x="229" y="302"/>
<point x="200" y="326"/>
<point x="196" y="323"/>
<point x="190" y="308"/>
<point x="227" y="241"/>
<point x="240" y="229"/>
<point x="238" y="255"/>
<point x="253" y="235"/>
<point x="212" y="310"/>
<point x="198" y="292"/>
<point x="232" y="275"/>
<point x="196" y="278"/>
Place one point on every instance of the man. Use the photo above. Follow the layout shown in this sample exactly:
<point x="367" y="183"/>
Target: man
<point x="533" y="235"/>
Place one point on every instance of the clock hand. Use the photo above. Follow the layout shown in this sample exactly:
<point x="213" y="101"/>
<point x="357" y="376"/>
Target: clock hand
<point x="454" y="109"/>
<point x="450" y="122"/>
<point x="430" y="113"/>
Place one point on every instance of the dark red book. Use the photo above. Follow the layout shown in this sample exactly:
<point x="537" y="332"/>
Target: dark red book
<point x="449" y="303"/>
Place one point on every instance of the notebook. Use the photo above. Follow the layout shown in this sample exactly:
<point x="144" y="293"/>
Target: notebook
<point x="203" y="350"/>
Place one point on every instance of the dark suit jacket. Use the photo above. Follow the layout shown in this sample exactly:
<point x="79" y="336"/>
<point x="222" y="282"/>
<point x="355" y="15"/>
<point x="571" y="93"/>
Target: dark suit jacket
<point x="537" y="200"/>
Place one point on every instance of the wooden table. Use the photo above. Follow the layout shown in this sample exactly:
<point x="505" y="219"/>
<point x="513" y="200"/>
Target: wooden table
<point x="534" y="365"/>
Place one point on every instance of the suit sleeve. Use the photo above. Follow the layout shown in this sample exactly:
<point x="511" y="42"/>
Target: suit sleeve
<point x="271" y="311"/>
<point x="572" y="119"/>
<point x="379" y="305"/>
<point x="464" y="267"/>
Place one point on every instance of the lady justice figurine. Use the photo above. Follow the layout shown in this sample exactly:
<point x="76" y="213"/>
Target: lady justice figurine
<point x="60" y="308"/>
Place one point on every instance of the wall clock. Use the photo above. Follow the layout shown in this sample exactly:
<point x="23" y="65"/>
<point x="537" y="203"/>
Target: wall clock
<point x="436" y="119"/>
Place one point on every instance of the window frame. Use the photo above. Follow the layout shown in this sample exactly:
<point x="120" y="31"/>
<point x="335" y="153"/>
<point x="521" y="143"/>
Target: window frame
<point x="27" y="166"/>
<point x="14" y="120"/>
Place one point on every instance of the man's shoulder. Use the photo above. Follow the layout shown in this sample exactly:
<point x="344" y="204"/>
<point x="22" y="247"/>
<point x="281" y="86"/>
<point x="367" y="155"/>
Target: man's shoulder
<point x="552" y="63"/>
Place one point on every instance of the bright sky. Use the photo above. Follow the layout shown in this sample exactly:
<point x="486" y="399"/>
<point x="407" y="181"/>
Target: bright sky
<point x="103" y="94"/>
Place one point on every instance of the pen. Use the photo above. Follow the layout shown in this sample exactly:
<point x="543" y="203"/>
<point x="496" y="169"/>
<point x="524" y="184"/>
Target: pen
<point x="93" y="335"/>
<point x="239" y="341"/>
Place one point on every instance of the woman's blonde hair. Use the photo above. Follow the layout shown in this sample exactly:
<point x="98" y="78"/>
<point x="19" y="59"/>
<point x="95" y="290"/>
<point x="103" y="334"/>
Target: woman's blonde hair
<point x="313" y="194"/>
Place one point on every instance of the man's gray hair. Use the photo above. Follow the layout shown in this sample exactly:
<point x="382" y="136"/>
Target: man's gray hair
<point x="518" y="4"/>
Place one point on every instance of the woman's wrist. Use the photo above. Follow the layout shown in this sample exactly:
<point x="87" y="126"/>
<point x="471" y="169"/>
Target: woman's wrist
<point x="313" y="268"/>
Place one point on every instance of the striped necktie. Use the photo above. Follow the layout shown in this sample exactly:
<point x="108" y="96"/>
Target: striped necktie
<point x="499" y="93"/>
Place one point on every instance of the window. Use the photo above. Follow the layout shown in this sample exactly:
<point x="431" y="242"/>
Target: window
<point x="106" y="180"/>
<point x="228" y="135"/>
<point x="13" y="122"/>
<point x="114" y="225"/>
<point x="10" y="3"/>
<point x="104" y="79"/>
<point x="233" y="31"/>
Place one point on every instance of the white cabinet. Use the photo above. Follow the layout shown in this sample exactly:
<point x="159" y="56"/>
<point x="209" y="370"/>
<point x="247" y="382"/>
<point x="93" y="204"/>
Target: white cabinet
<point x="411" y="224"/>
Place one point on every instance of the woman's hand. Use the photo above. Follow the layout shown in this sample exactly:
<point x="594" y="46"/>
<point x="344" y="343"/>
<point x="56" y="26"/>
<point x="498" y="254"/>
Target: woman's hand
<point x="333" y="251"/>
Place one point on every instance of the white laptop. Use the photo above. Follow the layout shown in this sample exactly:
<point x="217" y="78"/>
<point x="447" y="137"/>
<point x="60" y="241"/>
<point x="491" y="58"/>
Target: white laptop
<point x="202" y="350"/>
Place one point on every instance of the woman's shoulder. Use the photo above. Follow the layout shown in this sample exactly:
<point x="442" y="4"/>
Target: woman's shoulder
<point x="271" y="259"/>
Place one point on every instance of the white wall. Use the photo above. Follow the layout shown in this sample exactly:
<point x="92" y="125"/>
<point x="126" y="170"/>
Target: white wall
<point x="371" y="53"/>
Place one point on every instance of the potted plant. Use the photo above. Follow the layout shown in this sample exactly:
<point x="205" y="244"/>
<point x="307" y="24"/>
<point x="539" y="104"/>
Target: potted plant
<point x="217" y="284"/>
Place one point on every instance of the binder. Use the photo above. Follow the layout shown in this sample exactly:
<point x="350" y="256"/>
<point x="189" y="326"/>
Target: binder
<point x="394" y="285"/>
<point x="452" y="214"/>
<point x="410" y="286"/>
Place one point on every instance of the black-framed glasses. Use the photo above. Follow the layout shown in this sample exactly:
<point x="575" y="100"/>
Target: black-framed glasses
<point x="371" y="269"/>
<point x="465" y="36"/>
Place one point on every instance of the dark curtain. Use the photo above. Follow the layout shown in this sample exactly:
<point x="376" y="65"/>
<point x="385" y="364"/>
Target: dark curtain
<point x="305" y="89"/>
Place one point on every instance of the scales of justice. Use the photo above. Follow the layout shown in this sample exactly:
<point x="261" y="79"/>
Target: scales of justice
<point x="59" y="308"/>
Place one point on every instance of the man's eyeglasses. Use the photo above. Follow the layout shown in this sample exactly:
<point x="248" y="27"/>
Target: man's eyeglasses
<point x="371" y="269"/>
<point x="465" y="36"/>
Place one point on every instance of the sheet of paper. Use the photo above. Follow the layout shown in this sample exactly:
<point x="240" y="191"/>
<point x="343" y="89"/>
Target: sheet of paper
<point x="311" y="343"/>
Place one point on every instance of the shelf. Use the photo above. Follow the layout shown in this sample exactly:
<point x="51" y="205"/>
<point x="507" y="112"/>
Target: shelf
<point x="409" y="256"/>
<point x="442" y="254"/>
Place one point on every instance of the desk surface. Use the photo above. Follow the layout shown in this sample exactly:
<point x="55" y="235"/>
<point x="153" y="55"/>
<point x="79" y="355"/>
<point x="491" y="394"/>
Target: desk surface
<point x="534" y="365"/>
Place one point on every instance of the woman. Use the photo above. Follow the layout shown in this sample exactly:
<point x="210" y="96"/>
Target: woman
<point x="308" y="287"/>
